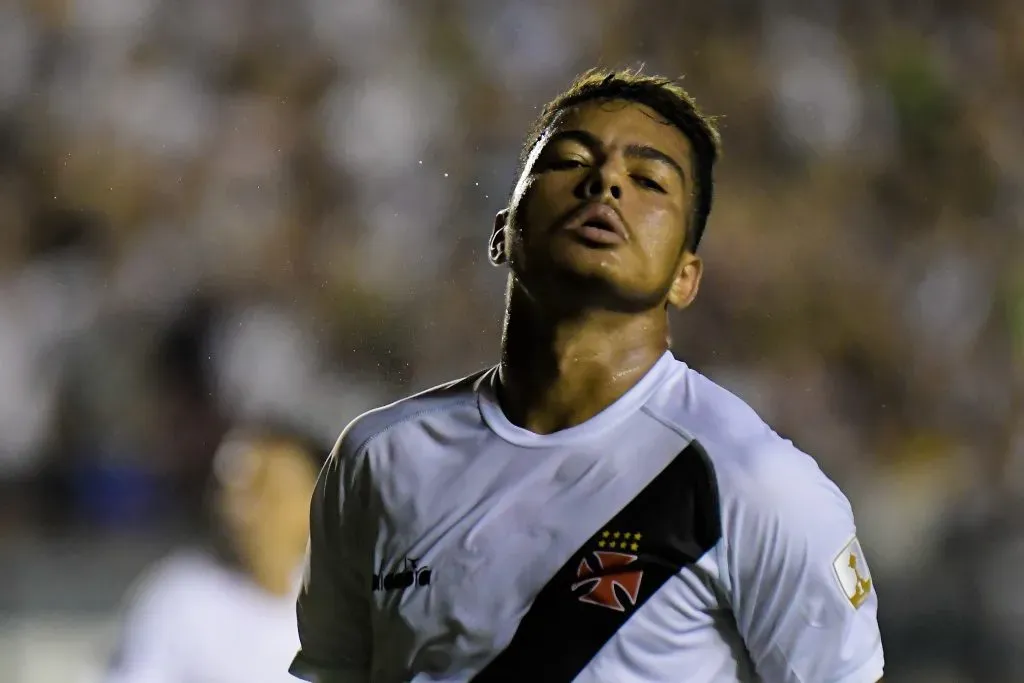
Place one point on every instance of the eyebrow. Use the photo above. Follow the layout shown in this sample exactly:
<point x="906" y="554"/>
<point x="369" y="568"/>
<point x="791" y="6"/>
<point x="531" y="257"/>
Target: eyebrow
<point x="632" y="151"/>
<point x="653" y="154"/>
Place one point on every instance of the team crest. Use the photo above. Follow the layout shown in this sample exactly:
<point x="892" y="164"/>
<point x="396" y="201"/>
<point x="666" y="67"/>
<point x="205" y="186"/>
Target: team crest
<point x="607" y="577"/>
<point x="852" y="574"/>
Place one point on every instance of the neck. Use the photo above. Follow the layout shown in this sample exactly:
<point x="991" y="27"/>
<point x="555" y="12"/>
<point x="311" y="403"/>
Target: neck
<point x="559" y="370"/>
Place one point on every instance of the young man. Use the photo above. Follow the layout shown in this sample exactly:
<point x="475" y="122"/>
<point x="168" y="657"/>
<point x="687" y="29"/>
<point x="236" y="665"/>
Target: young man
<point x="590" y="509"/>
<point x="227" y="612"/>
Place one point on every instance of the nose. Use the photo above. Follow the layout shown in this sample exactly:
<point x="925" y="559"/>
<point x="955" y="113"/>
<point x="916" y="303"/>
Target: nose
<point x="599" y="184"/>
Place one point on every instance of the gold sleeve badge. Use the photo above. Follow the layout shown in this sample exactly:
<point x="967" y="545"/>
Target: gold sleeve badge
<point x="852" y="574"/>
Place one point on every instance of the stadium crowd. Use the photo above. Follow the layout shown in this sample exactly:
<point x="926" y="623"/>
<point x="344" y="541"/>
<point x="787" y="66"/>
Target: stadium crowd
<point x="215" y="210"/>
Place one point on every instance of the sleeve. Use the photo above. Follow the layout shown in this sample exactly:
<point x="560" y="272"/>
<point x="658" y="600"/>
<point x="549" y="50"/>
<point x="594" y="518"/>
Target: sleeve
<point x="333" y="607"/>
<point x="803" y="598"/>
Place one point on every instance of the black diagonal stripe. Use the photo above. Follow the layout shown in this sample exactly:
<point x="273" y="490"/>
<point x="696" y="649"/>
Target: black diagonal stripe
<point x="678" y="517"/>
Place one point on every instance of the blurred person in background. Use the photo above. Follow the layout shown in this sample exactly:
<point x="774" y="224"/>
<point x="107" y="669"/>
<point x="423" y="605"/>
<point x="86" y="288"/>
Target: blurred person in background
<point x="225" y="612"/>
<point x="590" y="509"/>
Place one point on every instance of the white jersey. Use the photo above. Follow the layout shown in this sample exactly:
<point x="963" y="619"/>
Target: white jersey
<point x="194" y="621"/>
<point x="672" y="537"/>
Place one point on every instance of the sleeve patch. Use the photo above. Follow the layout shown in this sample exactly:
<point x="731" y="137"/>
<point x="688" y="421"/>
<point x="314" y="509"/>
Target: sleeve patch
<point x="852" y="574"/>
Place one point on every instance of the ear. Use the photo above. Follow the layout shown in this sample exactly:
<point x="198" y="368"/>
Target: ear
<point x="684" y="287"/>
<point x="496" y="248"/>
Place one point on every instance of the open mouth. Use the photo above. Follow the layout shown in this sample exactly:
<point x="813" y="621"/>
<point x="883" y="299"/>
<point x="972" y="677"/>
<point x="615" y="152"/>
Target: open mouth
<point x="597" y="234"/>
<point x="598" y="225"/>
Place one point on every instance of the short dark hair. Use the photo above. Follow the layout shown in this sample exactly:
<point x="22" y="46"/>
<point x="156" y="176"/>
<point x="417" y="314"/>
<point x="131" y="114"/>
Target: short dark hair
<point x="664" y="96"/>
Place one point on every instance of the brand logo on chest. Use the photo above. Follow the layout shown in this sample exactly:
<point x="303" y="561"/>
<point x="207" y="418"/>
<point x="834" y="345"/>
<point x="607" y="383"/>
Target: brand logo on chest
<point x="411" y="575"/>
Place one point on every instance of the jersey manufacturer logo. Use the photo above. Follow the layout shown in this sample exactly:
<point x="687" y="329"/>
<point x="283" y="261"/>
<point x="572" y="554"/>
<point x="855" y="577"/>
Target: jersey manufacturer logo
<point x="411" y="575"/>
<point x="608" y="579"/>
<point x="852" y="574"/>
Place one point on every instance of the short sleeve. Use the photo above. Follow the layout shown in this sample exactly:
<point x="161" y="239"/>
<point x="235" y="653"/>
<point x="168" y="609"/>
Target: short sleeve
<point x="801" y="592"/>
<point x="333" y="607"/>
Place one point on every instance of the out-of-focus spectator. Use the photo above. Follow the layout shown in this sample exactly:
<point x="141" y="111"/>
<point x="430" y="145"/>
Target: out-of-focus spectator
<point x="226" y="611"/>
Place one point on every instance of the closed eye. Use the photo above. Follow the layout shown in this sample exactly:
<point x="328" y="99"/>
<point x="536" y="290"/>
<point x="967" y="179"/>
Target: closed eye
<point x="646" y="182"/>
<point x="565" y="164"/>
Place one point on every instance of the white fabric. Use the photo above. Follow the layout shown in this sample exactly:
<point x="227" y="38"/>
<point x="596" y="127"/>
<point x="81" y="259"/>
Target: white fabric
<point x="444" y="480"/>
<point x="192" y="620"/>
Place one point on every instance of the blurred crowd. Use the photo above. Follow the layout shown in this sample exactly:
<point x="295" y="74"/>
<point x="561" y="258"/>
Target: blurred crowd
<point x="212" y="210"/>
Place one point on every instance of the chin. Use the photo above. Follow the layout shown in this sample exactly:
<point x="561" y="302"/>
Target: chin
<point x="581" y="287"/>
<point x="587" y="262"/>
<point x="582" y="276"/>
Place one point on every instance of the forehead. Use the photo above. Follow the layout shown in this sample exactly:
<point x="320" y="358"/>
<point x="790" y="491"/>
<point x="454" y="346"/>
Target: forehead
<point x="254" y="463"/>
<point x="282" y="454"/>
<point x="616" y="123"/>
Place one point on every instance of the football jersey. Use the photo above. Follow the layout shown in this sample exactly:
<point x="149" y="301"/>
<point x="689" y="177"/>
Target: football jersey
<point x="194" y="621"/>
<point x="672" y="537"/>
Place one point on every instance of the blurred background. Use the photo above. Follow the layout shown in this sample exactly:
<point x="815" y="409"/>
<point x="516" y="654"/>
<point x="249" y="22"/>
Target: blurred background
<point x="214" y="209"/>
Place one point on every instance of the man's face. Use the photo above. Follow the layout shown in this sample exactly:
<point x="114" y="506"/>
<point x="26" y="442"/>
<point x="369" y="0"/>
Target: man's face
<point x="285" y="491"/>
<point x="272" y="484"/>
<point x="601" y="211"/>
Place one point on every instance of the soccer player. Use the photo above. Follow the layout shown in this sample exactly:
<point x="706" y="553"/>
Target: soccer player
<point x="590" y="509"/>
<point x="227" y="613"/>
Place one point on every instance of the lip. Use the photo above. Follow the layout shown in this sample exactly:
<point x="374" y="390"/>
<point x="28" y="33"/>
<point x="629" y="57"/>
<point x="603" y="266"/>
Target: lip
<point x="610" y="230"/>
